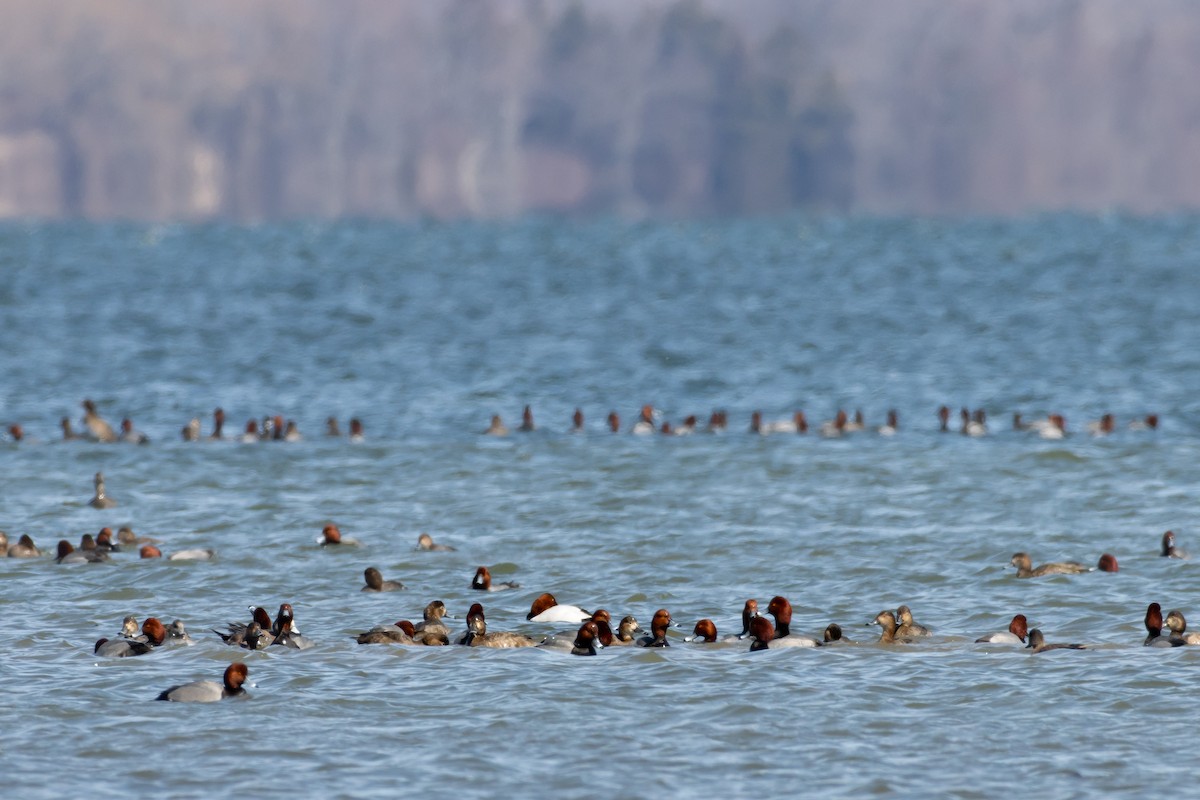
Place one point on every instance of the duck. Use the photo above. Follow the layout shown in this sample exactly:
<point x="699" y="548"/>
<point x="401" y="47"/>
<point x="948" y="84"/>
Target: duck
<point x="1101" y="427"/>
<point x="943" y="415"/>
<point x="285" y="621"/>
<point x="104" y="541"/>
<point x="478" y="636"/>
<point x="527" y="425"/>
<point x="1179" y="632"/>
<point x="99" y="429"/>
<point x="231" y="685"/>
<point x="1037" y="643"/>
<point x="887" y="621"/>
<point x="1146" y="423"/>
<point x="218" y="425"/>
<point x="974" y="425"/>
<point x="400" y="633"/>
<point x="69" y="435"/>
<point x="836" y="427"/>
<point x="191" y="431"/>
<point x="586" y="640"/>
<point x="288" y="637"/>
<point x="100" y="499"/>
<point x="425" y="542"/>
<point x="130" y="436"/>
<point x="545" y="608"/>
<point x="127" y="538"/>
<point x="431" y="630"/>
<point x="891" y="426"/>
<point x="154" y="633"/>
<point x="717" y="422"/>
<point x="1108" y="563"/>
<point x="749" y="612"/>
<point x="497" y="428"/>
<point x="781" y="610"/>
<point x="705" y="632"/>
<point x="762" y="634"/>
<point x="193" y="554"/>
<point x="626" y="629"/>
<point x="1154" y="623"/>
<point x="291" y="432"/>
<point x="1025" y="567"/>
<point x="907" y="627"/>
<point x="331" y="427"/>
<point x="69" y="555"/>
<point x="833" y="633"/>
<point x="254" y="635"/>
<point x="483" y="582"/>
<point x="1169" y="549"/>
<point x="1016" y="633"/>
<point x="177" y="634"/>
<point x="24" y="548"/>
<point x="614" y="422"/>
<point x="1053" y="427"/>
<point x="376" y="583"/>
<point x="332" y="536"/>
<point x="645" y="423"/>
<point x="658" y="630"/>
<point x="356" y="430"/>
<point x="250" y="434"/>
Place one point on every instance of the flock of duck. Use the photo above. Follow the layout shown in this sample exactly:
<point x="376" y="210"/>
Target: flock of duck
<point x="971" y="423"/>
<point x="596" y="629"/>
<point x="649" y="421"/>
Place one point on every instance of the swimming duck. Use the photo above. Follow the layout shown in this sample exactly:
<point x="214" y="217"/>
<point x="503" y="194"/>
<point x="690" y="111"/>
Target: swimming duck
<point x="1025" y="568"/>
<point x="100" y="499"/>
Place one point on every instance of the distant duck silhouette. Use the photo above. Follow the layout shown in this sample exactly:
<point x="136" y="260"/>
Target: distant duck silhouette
<point x="69" y="435"/>
<point x="1147" y="423"/>
<point x="100" y="430"/>
<point x="101" y="499"/>
<point x="577" y="421"/>
<point x="191" y="431"/>
<point x="497" y="427"/>
<point x="128" y="434"/>
<point x="356" y="430"/>
<point x="218" y="424"/>
<point x="527" y="420"/>
<point x="614" y="422"/>
<point x="331" y="427"/>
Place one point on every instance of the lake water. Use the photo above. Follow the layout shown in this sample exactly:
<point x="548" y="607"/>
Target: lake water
<point x="424" y="331"/>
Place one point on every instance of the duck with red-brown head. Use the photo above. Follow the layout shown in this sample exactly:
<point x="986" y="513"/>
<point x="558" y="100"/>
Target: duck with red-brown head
<point x="645" y="424"/>
<point x="1018" y="629"/>
<point x="356" y="430"/>
<point x="154" y="633"/>
<point x="483" y="582"/>
<point x="400" y="633"/>
<point x="658" y="630"/>
<point x="218" y="424"/>
<point x="331" y="536"/>
<point x="210" y="691"/>
<point x="943" y="414"/>
<point x="1154" y="625"/>
<point x="762" y="632"/>
<point x="835" y="427"/>
<point x="527" y="425"/>
<point x="69" y="555"/>
<point x="614" y="422"/>
<point x="749" y="612"/>
<point x="250" y="436"/>
<point x="781" y="610"/>
<point x="586" y="640"/>
<point x="545" y="608"/>
<point x="1108" y="563"/>
<point x="705" y="631"/>
<point x="16" y="432"/>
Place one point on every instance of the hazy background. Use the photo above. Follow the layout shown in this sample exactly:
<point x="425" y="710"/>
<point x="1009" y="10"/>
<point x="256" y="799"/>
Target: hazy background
<point x="463" y="108"/>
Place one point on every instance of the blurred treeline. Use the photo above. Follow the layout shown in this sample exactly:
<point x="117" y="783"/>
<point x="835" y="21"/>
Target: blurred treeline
<point x="491" y="108"/>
